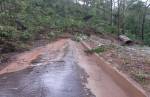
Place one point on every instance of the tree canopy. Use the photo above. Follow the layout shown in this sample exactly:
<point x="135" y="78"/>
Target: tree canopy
<point x="26" y="17"/>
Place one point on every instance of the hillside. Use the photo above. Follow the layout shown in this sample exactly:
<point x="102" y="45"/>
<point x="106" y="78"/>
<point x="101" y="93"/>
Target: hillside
<point x="74" y="48"/>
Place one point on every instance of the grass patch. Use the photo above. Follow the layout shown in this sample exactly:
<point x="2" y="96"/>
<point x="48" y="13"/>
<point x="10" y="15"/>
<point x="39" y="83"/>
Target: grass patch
<point x="100" y="49"/>
<point x="141" y="78"/>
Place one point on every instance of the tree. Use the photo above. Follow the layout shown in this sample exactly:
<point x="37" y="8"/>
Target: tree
<point x="144" y="18"/>
<point x="118" y="17"/>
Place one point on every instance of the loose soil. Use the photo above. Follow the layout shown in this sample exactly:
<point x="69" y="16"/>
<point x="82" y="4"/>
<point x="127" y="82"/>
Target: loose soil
<point x="59" y="69"/>
<point x="132" y="60"/>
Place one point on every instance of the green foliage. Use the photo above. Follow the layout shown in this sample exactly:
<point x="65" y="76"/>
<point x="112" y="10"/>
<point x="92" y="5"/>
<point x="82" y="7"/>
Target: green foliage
<point x="131" y="36"/>
<point x="8" y="32"/>
<point x="98" y="50"/>
<point x="63" y="14"/>
<point x="54" y="34"/>
<point x="141" y="78"/>
<point x="25" y="36"/>
<point x="111" y="29"/>
<point x="147" y="39"/>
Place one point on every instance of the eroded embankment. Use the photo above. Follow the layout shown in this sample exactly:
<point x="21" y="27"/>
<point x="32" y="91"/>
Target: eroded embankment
<point x="100" y="83"/>
<point x="60" y="69"/>
<point x="55" y="73"/>
<point x="24" y="60"/>
<point x="116" y="78"/>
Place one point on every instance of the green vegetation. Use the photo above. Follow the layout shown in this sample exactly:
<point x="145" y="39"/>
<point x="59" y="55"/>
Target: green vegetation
<point x="22" y="21"/>
<point x="100" y="49"/>
<point x="141" y="78"/>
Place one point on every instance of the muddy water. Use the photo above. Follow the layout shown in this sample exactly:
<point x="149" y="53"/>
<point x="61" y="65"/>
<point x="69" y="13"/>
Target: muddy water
<point x="60" y="69"/>
<point x="58" y="76"/>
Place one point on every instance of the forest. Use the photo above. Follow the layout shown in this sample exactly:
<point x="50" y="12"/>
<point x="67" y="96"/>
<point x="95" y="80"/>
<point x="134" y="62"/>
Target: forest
<point x="22" y="20"/>
<point x="74" y="48"/>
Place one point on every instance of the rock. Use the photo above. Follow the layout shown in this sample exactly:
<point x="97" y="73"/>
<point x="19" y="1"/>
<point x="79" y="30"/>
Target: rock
<point x="125" y="39"/>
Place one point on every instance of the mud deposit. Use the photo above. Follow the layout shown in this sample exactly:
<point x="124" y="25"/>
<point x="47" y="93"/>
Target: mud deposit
<point x="60" y="69"/>
<point x="59" y="76"/>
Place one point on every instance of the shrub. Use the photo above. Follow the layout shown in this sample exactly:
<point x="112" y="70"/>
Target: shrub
<point x="8" y="32"/>
<point x="25" y="36"/>
<point x="13" y="47"/>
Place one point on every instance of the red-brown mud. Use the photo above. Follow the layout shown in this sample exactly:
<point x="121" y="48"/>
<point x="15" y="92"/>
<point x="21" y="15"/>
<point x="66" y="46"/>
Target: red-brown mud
<point x="60" y="69"/>
<point x="100" y="83"/>
<point x="23" y="60"/>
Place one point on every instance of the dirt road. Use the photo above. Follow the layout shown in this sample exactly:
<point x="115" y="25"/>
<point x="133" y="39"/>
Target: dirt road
<point x="60" y="69"/>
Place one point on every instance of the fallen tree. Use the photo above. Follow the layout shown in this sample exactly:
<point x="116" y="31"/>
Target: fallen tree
<point x="125" y="40"/>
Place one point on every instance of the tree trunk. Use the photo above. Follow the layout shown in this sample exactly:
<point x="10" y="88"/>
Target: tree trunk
<point x="111" y="17"/>
<point x="123" y="19"/>
<point x="143" y="22"/>
<point x="118" y="18"/>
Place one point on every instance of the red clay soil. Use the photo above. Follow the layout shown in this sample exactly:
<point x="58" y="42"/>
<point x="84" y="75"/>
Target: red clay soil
<point x="101" y="82"/>
<point x="131" y="60"/>
<point x="61" y="78"/>
<point x="24" y="60"/>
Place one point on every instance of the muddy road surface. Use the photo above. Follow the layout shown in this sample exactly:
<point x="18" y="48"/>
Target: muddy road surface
<point x="60" y="69"/>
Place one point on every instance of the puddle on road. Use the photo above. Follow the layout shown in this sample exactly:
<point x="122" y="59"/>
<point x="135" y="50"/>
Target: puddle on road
<point x="59" y="77"/>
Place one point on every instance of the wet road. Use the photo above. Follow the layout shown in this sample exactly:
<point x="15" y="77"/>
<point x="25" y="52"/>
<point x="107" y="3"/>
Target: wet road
<point x="61" y="69"/>
<point x="57" y="77"/>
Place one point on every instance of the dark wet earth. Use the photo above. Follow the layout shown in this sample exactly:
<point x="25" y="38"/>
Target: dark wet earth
<point x="54" y="78"/>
